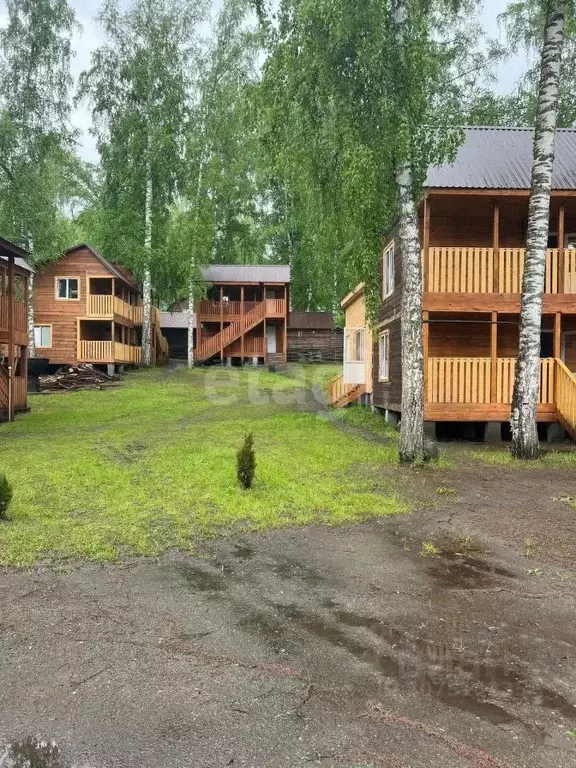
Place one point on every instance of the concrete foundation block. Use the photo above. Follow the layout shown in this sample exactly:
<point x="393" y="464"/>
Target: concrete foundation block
<point x="110" y="369"/>
<point x="493" y="432"/>
<point x="392" y="417"/>
<point x="255" y="362"/>
<point x="555" y="433"/>
<point x="229" y="362"/>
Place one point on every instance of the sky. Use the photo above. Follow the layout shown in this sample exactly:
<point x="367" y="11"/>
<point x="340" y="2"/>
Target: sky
<point x="89" y="37"/>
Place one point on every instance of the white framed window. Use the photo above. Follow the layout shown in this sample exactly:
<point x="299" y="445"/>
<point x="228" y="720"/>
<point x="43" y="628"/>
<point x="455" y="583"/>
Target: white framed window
<point x="388" y="271"/>
<point x="355" y="345"/>
<point x="67" y="288"/>
<point x="42" y="335"/>
<point x="384" y="356"/>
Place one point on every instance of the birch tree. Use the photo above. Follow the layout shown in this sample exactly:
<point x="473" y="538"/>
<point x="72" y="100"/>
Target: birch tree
<point x="140" y="85"/>
<point x="527" y="379"/>
<point x="36" y="139"/>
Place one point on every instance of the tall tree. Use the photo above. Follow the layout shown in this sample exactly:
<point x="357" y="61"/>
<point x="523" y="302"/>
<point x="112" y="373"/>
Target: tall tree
<point x="526" y="384"/>
<point x="140" y="87"/>
<point x="35" y="134"/>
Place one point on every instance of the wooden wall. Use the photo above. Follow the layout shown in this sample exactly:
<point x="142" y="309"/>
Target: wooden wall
<point x="315" y="344"/>
<point x="388" y="394"/>
<point x="356" y="318"/>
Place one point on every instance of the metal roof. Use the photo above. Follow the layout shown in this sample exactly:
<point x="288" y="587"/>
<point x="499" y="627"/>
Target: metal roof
<point x="242" y="273"/>
<point x="501" y="158"/>
<point x="10" y="249"/>
<point x="175" y="319"/>
<point x="311" y="321"/>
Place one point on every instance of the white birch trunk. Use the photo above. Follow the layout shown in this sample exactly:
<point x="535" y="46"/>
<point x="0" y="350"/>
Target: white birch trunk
<point x="191" y="323"/>
<point x="526" y="384"/>
<point x="30" y="315"/>
<point x="147" y="283"/>
<point x="412" y="423"/>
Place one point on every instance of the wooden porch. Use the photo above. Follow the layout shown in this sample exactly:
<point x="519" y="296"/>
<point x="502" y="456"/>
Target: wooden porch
<point x="101" y="307"/>
<point x="108" y="352"/>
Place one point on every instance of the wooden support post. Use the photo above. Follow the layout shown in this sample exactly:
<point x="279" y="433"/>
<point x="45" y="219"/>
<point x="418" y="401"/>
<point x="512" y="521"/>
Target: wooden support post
<point x="113" y="341"/>
<point x="495" y="244"/>
<point x="426" y="242"/>
<point x="425" y="348"/>
<point x="242" y="324"/>
<point x="221" y="323"/>
<point x="561" y="264"/>
<point x="493" y="357"/>
<point x="10" y="338"/>
<point x="558" y="335"/>
<point x="286" y="322"/>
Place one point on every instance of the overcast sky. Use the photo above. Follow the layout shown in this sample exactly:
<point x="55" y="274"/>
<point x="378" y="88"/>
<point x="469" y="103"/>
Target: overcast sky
<point x="90" y="37"/>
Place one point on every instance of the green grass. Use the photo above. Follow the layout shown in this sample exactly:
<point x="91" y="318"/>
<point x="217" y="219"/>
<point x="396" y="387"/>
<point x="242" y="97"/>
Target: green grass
<point x="152" y="465"/>
<point x="502" y="457"/>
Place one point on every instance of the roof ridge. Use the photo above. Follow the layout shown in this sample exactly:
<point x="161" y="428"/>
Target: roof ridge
<point x="510" y="128"/>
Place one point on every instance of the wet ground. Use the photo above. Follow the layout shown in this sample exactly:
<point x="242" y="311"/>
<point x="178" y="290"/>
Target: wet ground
<point x="441" y="639"/>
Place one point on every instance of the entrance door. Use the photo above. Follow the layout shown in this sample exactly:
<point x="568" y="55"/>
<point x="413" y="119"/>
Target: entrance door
<point x="547" y="344"/>
<point x="569" y="349"/>
<point x="271" y="339"/>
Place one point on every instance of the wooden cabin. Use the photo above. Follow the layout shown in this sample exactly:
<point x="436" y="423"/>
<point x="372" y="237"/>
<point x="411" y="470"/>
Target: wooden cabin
<point x="14" y="276"/>
<point x="354" y="384"/>
<point x="87" y="310"/>
<point x="174" y="326"/>
<point x="244" y="316"/>
<point x="313" y="338"/>
<point x="473" y="221"/>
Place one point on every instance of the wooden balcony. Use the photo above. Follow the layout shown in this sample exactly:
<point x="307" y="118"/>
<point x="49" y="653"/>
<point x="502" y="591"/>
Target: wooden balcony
<point x="108" y="307"/>
<point x="19" y="320"/>
<point x="213" y="311"/>
<point x="108" y="352"/>
<point x="484" y="272"/>
<point x="470" y="389"/>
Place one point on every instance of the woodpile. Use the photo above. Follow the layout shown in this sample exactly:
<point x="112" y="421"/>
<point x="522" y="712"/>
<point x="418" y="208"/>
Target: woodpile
<point x="73" y="377"/>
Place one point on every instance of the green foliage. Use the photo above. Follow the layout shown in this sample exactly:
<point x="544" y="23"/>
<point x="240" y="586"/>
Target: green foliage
<point x="5" y="496"/>
<point x="246" y="462"/>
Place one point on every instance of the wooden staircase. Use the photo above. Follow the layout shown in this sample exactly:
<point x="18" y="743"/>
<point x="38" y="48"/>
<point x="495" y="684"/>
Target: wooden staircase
<point x="214" y="344"/>
<point x="340" y="395"/>
<point x="565" y="397"/>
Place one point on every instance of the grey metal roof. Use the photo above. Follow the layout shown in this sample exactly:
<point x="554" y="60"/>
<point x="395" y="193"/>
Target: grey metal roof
<point x="175" y="319"/>
<point x="242" y="273"/>
<point x="501" y="158"/>
<point x="10" y="249"/>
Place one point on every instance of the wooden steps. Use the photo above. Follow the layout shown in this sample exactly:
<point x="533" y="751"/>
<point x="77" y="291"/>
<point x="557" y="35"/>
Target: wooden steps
<point x="340" y="394"/>
<point x="214" y="344"/>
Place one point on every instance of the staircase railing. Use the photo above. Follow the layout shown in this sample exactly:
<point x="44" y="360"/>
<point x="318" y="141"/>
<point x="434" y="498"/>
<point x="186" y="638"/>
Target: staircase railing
<point x="231" y="332"/>
<point x="566" y="396"/>
<point x="338" y="391"/>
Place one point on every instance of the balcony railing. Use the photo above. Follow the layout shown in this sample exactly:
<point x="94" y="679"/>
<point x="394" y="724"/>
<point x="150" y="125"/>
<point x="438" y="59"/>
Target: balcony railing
<point x="213" y="310"/>
<point x="108" y="352"/>
<point x="481" y="270"/>
<point x="108" y="306"/>
<point x="19" y="317"/>
<point x="468" y="380"/>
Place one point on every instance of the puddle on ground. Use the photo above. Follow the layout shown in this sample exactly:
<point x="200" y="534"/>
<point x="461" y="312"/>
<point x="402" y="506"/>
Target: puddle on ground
<point x="201" y="580"/>
<point x="435" y="668"/>
<point x="243" y="552"/>
<point x="265" y="624"/>
<point x="30" y="753"/>
<point x="462" y="571"/>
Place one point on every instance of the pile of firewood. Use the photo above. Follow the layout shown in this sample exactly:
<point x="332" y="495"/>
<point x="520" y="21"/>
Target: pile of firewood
<point x="73" y="377"/>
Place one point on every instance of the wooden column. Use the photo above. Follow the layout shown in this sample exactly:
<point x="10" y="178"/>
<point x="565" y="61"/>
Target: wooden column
<point x="493" y="356"/>
<point x="265" y="337"/>
<point x="495" y="243"/>
<point x="221" y="323"/>
<point x="242" y="321"/>
<point x="557" y="342"/>
<point x="561" y="265"/>
<point x="426" y="242"/>
<point x="10" y="338"/>
<point x="425" y="349"/>
<point x="286" y="322"/>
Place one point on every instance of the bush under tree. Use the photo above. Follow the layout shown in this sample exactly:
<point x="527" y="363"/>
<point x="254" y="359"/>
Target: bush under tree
<point x="5" y="496"/>
<point x="246" y="459"/>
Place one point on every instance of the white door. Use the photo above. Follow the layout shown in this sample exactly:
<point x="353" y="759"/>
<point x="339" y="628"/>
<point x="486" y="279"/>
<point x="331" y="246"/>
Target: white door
<point x="271" y="339"/>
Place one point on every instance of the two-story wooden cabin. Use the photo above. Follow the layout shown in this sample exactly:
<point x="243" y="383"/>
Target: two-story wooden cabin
<point x="87" y="310"/>
<point x="245" y="315"/>
<point x="14" y="275"/>
<point x="473" y="227"/>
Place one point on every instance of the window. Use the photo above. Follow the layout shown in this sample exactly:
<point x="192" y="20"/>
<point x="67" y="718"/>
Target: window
<point x="384" y="356"/>
<point x="43" y="335"/>
<point x="67" y="288"/>
<point x="388" y="271"/>
<point x="356" y="345"/>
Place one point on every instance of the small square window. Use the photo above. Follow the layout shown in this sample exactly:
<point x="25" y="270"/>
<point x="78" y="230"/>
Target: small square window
<point x="42" y="335"/>
<point x="67" y="288"/>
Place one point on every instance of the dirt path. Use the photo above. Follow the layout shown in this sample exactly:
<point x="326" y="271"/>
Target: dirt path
<point x="342" y="647"/>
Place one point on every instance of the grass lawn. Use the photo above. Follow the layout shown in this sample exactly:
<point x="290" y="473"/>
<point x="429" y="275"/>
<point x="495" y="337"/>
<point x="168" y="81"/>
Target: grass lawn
<point x="152" y="464"/>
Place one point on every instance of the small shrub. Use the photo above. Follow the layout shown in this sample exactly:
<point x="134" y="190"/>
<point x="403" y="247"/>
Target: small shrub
<point x="5" y="496"/>
<point x="246" y="459"/>
<point x="428" y="549"/>
<point x="445" y="491"/>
